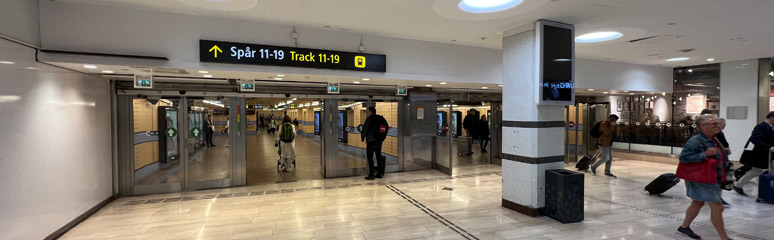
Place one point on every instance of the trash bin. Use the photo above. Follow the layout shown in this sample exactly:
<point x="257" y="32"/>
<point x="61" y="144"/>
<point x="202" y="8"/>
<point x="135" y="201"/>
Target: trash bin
<point x="564" y="195"/>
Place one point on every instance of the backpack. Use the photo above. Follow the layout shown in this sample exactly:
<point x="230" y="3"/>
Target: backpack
<point x="286" y="135"/>
<point x="595" y="132"/>
<point x="384" y="127"/>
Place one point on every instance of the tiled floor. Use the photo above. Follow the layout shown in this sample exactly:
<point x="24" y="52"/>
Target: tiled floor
<point x="416" y="205"/>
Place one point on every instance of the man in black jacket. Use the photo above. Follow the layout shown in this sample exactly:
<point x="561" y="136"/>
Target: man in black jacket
<point x="374" y="132"/>
<point x="209" y="130"/>
<point x="763" y="138"/>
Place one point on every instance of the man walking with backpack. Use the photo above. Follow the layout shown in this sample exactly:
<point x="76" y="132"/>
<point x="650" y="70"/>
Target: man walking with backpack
<point x="374" y="132"/>
<point x="605" y="142"/>
<point x="287" y="150"/>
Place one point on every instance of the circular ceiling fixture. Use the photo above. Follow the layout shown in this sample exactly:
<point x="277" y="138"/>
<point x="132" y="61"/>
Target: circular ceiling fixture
<point x="480" y="10"/>
<point x="596" y="37"/>
<point x="678" y="59"/>
<point x="487" y="6"/>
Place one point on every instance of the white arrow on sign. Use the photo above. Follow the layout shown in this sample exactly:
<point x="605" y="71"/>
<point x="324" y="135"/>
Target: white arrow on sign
<point x="196" y="132"/>
<point x="171" y="132"/>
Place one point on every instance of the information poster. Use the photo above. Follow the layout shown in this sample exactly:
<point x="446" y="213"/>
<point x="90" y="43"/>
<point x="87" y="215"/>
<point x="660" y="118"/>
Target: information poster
<point x="420" y="113"/>
<point x="694" y="104"/>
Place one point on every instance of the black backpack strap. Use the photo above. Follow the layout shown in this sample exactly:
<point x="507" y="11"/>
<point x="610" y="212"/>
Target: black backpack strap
<point x="747" y="144"/>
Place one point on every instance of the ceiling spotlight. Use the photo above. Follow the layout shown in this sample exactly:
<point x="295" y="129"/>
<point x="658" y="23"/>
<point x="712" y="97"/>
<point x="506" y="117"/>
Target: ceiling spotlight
<point x="678" y="59"/>
<point x="295" y="99"/>
<point x="356" y="82"/>
<point x="631" y="93"/>
<point x="488" y="6"/>
<point x="280" y="75"/>
<point x="277" y="78"/>
<point x="428" y="85"/>
<point x="204" y="72"/>
<point x="500" y="85"/>
<point x="31" y="68"/>
<point x="443" y="83"/>
<point x="710" y="59"/>
<point x="598" y="37"/>
<point x="89" y="66"/>
<point x="690" y="70"/>
<point x="366" y="79"/>
<point x="107" y="71"/>
<point x="605" y="92"/>
<point x="6" y="62"/>
<point x="484" y="87"/>
<point x="207" y="76"/>
<point x="590" y="89"/>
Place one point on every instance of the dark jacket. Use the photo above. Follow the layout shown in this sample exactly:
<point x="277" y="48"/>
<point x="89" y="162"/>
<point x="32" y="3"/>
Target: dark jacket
<point x="471" y="124"/>
<point x="208" y="126"/>
<point x="370" y="131"/>
<point x="722" y="139"/>
<point x="483" y="129"/>
<point x="693" y="152"/>
<point x="763" y="138"/>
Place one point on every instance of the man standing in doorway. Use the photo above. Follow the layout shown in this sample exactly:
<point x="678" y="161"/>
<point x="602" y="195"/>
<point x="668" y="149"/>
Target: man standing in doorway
<point x="374" y="132"/>
<point x="209" y="129"/>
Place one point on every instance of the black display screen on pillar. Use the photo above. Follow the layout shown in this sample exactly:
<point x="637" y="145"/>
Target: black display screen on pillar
<point x="557" y="85"/>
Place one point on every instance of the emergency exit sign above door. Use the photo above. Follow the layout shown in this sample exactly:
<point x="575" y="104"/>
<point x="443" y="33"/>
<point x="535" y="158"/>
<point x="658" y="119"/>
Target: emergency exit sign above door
<point x="256" y="54"/>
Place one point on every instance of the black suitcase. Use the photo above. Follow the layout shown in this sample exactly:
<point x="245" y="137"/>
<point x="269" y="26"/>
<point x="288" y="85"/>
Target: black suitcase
<point x="662" y="183"/>
<point x="585" y="163"/>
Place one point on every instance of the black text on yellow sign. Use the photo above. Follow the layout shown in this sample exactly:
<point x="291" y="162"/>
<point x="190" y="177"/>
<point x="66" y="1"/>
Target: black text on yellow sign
<point x="255" y="54"/>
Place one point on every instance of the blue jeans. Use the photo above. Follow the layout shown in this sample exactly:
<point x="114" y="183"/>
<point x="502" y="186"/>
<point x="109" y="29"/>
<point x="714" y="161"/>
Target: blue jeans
<point x="607" y="158"/>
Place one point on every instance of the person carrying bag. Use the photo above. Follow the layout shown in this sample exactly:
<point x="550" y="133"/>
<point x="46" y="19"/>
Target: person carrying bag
<point x="702" y="166"/>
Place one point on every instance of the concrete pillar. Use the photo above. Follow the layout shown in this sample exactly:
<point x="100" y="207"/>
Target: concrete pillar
<point x="533" y="135"/>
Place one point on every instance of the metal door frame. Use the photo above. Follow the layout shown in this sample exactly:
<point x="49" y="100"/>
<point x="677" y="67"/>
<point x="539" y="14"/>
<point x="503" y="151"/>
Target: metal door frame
<point x="495" y="157"/>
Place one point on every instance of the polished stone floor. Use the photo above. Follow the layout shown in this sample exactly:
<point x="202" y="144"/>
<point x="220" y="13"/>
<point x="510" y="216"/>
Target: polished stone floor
<point x="416" y="205"/>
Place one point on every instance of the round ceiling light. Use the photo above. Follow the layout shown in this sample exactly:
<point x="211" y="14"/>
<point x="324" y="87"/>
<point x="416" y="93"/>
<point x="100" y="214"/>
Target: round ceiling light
<point x="677" y="59"/>
<point x="598" y="37"/>
<point x="487" y="6"/>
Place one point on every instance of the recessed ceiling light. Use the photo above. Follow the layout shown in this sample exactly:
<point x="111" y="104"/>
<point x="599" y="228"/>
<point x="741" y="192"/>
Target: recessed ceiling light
<point x="678" y="59"/>
<point x="428" y="85"/>
<point x="6" y="62"/>
<point x="204" y="72"/>
<point x="443" y="83"/>
<point x="500" y="85"/>
<point x="626" y="91"/>
<point x="598" y="37"/>
<point x="280" y="75"/>
<point x="631" y="93"/>
<point x="487" y="6"/>
<point x="207" y="76"/>
<point x="107" y="71"/>
<point x="690" y="70"/>
<point x="605" y="92"/>
<point x="31" y="68"/>
<point x="89" y="66"/>
<point x="591" y="89"/>
<point x="366" y="79"/>
<point x="277" y="78"/>
<point x="484" y="87"/>
<point x="356" y="82"/>
<point x="710" y="59"/>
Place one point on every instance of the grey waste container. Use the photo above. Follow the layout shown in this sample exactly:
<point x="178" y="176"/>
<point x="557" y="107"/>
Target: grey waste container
<point x="564" y="195"/>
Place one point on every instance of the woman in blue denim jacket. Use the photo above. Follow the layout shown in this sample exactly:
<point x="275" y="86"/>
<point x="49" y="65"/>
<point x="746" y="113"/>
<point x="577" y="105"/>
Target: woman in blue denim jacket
<point x="699" y="148"/>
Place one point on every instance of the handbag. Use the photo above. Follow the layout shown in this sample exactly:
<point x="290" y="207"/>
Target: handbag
<point x="701" y="172"/>
<point x="748" y="156"/>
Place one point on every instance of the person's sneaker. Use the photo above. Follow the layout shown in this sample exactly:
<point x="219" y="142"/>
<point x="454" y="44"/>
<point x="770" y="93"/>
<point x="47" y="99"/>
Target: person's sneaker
<point x="688" y="232"/>
<point x="610" y="175"/>
<point x="739" y="190"/>
<point x="725" y="204"/>
<point x="369" y="177"/>
<point x="594" y="171"/>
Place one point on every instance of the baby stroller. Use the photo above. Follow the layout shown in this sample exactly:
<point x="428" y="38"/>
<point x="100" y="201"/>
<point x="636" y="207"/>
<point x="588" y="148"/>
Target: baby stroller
<point x="279" y="153"/>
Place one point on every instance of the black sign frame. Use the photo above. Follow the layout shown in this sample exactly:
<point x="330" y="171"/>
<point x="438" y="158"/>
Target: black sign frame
<point x="257" y="54"/>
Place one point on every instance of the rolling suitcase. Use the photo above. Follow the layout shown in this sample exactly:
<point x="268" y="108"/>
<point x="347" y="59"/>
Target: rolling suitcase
<point x="586" y="161"/>
<point x="766" y="186"/>
<point x="662" y="183"/>
<point x="464" y="146"/>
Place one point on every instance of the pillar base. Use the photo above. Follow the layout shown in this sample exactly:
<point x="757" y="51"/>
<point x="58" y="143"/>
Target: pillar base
<point x="529" y="211"/>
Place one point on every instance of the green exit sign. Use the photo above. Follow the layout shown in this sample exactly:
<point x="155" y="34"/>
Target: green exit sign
<point x="143" y="81"/>
<point x="333" y="88"/>
<point x="402" y="91"/>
